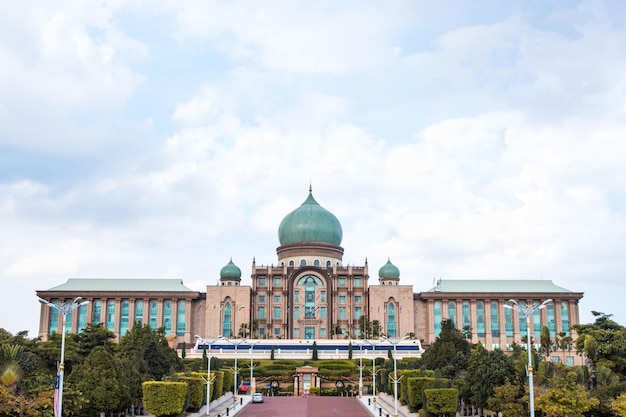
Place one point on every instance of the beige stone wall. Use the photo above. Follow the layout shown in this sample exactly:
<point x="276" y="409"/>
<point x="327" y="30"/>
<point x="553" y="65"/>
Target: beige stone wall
<point x="217" y="296"/>
<point x="402" y="297"/>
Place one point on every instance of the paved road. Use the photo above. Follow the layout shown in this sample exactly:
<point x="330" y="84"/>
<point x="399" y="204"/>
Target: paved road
<point x="308" y="406"/>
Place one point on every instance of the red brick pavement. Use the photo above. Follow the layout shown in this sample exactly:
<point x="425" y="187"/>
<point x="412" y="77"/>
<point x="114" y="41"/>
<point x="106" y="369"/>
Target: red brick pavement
<point x="308" y="406"/>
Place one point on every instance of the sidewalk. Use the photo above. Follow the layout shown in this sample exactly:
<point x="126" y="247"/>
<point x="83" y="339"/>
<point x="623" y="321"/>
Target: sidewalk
<point x="384" y="406"/>
<point x="224" y="406"/>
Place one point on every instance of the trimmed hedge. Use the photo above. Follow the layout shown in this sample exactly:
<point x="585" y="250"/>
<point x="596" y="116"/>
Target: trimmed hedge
<point x="441" y="401"/>
<point x="197" y="391"/>
<point x="164" y="398"/>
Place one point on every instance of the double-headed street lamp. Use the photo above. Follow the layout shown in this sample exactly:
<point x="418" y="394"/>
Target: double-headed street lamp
<point x="528" y="311"/>
<point x="236" y="343"/>
<point x="361" y="368"/>
<point x="208" y="343"/>
<point x="373" y="371"/>
<point x="64" y="309"/>
<point x="395" y="343"/>
<point x="252" y="366"/>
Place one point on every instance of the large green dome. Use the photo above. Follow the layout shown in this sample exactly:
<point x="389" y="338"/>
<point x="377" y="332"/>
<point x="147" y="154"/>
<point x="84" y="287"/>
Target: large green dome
<point x="389" y="270"/>
<point x="310" y="223"/>
<point x="230" y="270"/>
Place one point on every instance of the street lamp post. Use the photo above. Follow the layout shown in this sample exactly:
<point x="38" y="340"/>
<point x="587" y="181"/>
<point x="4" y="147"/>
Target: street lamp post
<point x="252" y="367"/>
<point x="236" y="343"/>
<point x="208" y="342"/>
<point x="395" y="378"/>
<point x="64" y="309"/>
<point x="373" y="371"/>
<point x="361" y="369"/>
<point x="528" y="311"/>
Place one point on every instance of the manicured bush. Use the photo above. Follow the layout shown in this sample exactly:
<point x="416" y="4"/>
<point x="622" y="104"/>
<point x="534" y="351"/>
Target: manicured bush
<point x="197" y="391"/>
<point x="415" y="391"/>
<point x="164" y="398"/>
<point x="441" y="401"/>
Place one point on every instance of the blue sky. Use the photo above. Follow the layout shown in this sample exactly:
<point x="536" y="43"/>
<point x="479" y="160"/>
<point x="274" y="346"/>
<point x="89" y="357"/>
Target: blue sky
<point x="464" y="140"/>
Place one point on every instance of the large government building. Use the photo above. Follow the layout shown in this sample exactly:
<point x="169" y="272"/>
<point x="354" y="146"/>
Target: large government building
<point x="309" y="294"/>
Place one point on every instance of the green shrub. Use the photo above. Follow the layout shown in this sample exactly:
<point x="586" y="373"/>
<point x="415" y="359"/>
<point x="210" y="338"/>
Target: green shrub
<point x="197" y="391"/>
<point x="164" y="398"/>
<point x="441" y="401"/>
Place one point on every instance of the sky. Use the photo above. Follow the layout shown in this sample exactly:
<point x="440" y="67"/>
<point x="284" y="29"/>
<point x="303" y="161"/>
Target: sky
<point x="459" y="139"/>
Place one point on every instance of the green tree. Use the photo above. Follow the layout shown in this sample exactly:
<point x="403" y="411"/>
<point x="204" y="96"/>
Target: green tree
<point x="14" y="362"/>
<point x="507" y="399"/>
<point x="565" y="396"/>
<point x="365" y="327"/>
<point x="102" y="383"/>
<point x="603" y="342"/>
<point x="92" y="336"/>
<point x="618" y="405"/>
<point x="376" y="329"/>
<point x="486" y="370"/>
<point x="449" y="353"/>
<point x="545" y="342"/>
<point x="314" y="357"/>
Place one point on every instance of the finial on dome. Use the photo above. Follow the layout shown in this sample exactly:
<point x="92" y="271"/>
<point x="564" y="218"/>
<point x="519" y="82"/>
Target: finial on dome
<point x="310" y="187"/>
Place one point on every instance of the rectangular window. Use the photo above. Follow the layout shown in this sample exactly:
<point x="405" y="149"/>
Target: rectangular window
<point x="342" y="281"/>
<point x="357" y="282"/>
<point x="342" y="298"/>
<point x="322" y="332"/>
<point x="278" y="282"/>
<point x="322" y="312"/>
<point x="495" y="346"/>
<point x="261" y="331"/>
<point x="262" y="312"/>
<point x="296" y="331"/>
<point x="555" y="359"/>
<point x="323" y="296"/>
<point x="261" y="298"/>
<point x="296" y="312"/>
<point x="277" y="312"/>
<point x="277" y="298"/>
<point x="357" y="299"/>
<point x="357" y="312"/>
<point x="569" y="360"/>
<point x="342" y="312"/>
<point x="277" y="331"/>
<point x="261" y="282"/>
<point x="296" y="296"/>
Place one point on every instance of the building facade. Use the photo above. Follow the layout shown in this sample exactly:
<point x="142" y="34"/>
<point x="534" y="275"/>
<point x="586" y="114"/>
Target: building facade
<point x="309" y="294"/>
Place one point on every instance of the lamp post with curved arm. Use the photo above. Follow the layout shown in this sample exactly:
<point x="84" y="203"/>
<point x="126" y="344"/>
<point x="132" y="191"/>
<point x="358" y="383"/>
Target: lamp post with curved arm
<point x="528" y="311"/>
<point x="394" y="343"/>
<point x="208" y="342"/>
<point x="236" y="343"/>
<point x="252" y="366"/>
<point x="64" y="309"/>
<point x="373" y="371"/>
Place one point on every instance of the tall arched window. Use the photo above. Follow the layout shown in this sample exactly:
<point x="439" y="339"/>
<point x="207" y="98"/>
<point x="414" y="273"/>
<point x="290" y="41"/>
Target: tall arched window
<point x="537" y="322"/>
<point x="391" y="320"/>
<point x="139" y="312"/>
<point x="565" y="318"/>
<point x="153" y="315"/>
<point x="180" y="319"/>
<point x="167" y="317"/>
<point x="438" y="316"/>
<point x="551" y="321"/>
<point x="465" y="310"/>
<point x="508" y="322"/>
<point x="53" y="324"/>
<point x="124" y="318"/>
<point x="495" y="320"/>
<point x="111" y="315"/>
<point x="522" y="320"/>
<point x="69" y="318"/>
<point x="82" y="317"/>
<point x="227" y="328"/>
<point x="96" y="311"/>
<point x="452" y="312"/>
<point x="480" y="319"/>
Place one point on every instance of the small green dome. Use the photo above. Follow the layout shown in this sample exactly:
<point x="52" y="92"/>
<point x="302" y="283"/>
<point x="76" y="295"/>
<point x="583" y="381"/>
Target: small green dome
<point x="230" y="270"/>
<point x="389" y="270"/>
<point x="310" y="223"/>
